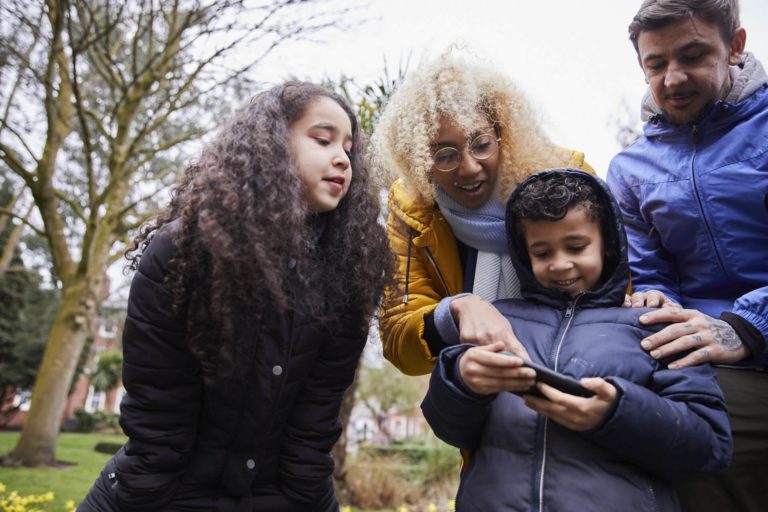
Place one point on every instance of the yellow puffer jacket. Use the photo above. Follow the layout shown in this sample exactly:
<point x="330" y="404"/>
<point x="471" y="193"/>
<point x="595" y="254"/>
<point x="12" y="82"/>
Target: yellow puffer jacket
<point x="428" y="270"/>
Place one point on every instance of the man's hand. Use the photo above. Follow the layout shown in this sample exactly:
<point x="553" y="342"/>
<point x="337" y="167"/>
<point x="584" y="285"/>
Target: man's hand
<point x="707" y="339"/>
<point x="485" y="371"/>
<point x="649" y="299"/>
<point x="574" y="412"/>
<point x="480" y="324"/>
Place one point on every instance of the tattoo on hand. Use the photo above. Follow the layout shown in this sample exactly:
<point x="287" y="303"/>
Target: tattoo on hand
<point x="724" y="334"/>
<point x="696" y="337"/>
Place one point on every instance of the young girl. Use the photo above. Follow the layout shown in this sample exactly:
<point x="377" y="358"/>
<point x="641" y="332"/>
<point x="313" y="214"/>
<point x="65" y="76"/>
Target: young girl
<point x="458" y="136"/>
<point x="618" y="450"/>
<point x="248" y="314"/>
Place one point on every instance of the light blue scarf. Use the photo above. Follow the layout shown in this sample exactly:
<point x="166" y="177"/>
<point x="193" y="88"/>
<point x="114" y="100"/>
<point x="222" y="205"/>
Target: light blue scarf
<point x="481" y="228"/>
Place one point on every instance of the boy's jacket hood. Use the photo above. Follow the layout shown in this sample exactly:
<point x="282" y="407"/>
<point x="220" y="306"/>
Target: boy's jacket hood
<point x="615" y="267"/>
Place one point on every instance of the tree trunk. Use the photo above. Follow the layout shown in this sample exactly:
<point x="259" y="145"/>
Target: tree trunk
<point x="37" y="443"/>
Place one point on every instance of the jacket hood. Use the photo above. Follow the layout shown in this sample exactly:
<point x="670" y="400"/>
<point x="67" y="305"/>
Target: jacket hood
<point x="746" y="78"/>
<point x="409" y="207"/>
<point x="615" y="267"/>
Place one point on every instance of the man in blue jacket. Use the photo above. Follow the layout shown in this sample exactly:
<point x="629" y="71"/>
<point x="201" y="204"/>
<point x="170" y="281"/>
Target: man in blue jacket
<point x="694" y="195"/>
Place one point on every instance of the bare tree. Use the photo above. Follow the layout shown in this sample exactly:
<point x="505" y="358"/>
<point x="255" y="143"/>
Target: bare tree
<point x="628" y="125"/>
<point x="100" y="100"/>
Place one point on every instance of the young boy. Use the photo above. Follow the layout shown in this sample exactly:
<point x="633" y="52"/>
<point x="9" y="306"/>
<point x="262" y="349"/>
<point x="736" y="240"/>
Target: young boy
<point x="616" y="450"/>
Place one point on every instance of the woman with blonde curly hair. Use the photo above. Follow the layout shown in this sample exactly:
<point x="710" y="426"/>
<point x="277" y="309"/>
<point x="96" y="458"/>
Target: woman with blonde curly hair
<point x="456" y="138"/>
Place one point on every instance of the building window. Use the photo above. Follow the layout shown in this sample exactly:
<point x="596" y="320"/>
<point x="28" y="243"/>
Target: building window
<point x="119" y="398"/>
<point x="108" y="330"/>
<point x="22" y="399"/>
<point x="95" y="400"/>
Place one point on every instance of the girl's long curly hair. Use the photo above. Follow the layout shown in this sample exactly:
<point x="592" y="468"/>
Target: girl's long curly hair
<point x="247" y="243"/>
<point x="458" y="88"/>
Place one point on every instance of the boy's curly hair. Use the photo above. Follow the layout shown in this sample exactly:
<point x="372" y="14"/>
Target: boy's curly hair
<point x="549" y="196"/>
<point x="554" y="195"/>
<point x="247" y="244"/>
<point x="455" y="87"/>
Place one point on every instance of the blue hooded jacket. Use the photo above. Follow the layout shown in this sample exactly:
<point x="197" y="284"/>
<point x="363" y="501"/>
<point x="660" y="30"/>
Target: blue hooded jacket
<point x="665" y="424"/>
<point x="695" y="204"/>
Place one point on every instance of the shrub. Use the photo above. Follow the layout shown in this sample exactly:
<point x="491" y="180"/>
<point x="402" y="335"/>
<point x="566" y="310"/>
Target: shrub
<point x="97" y="421"/>
<point x="420" y="473"/>
<point x="108" y="448"/>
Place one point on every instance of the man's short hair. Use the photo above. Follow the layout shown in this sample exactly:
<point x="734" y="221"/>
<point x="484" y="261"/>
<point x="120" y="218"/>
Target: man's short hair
<point x="655" y="14"/>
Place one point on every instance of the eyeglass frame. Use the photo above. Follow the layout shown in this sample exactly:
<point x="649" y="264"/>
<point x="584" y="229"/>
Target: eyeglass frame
<point x="461" y="153"/>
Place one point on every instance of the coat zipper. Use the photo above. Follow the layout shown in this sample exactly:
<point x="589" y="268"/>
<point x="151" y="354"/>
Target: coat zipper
<point x="569" y="315"/>
<point x="408" y="266"/>
<point x="695" y="139"/>
<point x="431" y="260"/>
<point x="437" y="269"/>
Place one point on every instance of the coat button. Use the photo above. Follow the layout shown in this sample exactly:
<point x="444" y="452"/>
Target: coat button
<point x="291" y="264"/>
<point x="250" y="463"/>
<point x="277" y="370"/>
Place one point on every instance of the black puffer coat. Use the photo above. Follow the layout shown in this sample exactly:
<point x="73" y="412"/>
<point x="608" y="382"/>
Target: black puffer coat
<point x="258" y="440"/>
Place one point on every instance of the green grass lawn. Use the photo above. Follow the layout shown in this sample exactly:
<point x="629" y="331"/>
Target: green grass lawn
<point x="70" y="482"/>
<point x="67" y="483"/>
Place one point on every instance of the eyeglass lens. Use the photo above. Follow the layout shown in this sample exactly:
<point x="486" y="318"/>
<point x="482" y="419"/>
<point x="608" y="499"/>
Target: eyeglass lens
<point x="482" y="147"/>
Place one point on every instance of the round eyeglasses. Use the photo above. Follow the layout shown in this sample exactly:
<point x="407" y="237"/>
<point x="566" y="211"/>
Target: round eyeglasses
<point x="481" y="147"/>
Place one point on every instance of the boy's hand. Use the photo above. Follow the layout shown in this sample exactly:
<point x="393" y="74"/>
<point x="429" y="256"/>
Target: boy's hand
<point x="649" y="299"/>
<point x="485" y="371"/>
<point x="574" y="412"/>
<point x="481" y="324"/>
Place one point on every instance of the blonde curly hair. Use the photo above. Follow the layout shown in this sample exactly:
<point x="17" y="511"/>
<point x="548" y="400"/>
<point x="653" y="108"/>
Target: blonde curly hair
<point x="453" y="86"/>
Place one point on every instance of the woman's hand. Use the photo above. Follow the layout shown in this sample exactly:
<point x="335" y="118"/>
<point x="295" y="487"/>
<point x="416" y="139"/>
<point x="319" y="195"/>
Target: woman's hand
<point x="574" y="412"/>
<point x="485" y="370"/>
<point x="481" y="324"/>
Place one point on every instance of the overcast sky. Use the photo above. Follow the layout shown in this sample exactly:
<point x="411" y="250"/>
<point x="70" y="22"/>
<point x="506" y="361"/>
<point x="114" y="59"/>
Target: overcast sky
<point x="572" y="57"/>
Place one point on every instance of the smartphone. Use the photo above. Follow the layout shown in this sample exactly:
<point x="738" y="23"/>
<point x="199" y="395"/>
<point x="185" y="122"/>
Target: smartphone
<point x="557" y="380"/>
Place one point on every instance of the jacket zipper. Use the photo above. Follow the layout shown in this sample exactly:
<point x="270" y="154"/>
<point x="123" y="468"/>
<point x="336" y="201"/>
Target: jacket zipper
<point x="569" y="314"/>
<point x="437" y="269"/>
<point x="695" y="139"/>
<point x="431" y="260"/>
<point x="408" y="266"/>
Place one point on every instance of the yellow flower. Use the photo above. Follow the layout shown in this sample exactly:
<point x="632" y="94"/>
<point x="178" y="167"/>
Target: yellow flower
<point x="452" y="505"/>
<point x="402" y="508"/>
<point x="2" y="487"/>
<point x="432" y="508"/>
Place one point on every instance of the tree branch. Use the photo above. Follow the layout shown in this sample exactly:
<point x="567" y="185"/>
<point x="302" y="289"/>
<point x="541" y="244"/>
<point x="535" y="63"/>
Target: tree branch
<point x="8" y="155"/>
<point x="11" y="242"/>
<point x="9" y="207"/>
<point x="81" y="116"/>
<point x="24" y="220"/>
<point x="21" y="139"/>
